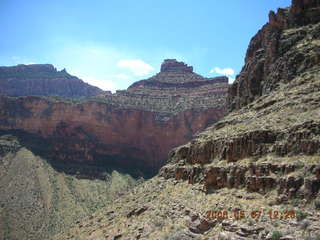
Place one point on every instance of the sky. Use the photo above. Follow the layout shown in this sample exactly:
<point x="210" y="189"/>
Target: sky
<point x="113" y="43"/>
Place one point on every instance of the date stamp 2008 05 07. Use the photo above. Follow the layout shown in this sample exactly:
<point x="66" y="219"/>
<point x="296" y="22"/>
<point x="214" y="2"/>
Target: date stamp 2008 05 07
<point x="255" y="214"/>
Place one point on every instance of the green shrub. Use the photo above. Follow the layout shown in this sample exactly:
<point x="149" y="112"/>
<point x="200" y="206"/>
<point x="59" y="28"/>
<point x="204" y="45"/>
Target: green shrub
<point x="295" y="202"/>
<point x="301" y="215"/>
<point x="276" y="235"/>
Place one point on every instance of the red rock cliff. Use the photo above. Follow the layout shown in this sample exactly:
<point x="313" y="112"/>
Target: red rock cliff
<point x="130" y="129"/>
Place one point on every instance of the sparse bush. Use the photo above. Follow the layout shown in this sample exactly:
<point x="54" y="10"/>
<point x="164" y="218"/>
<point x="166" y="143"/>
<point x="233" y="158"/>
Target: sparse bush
<point x="181" y="235"/>
<point x="317" y="204"/>
<point x="295" y="202"/>
<point x="275" y="224"/>
<point x="316" y="237"/>
<point x="276" y="235"/>
<point x="305" y="224"/>
<point x="301" y="215"/>
<point x="251" y="222"/>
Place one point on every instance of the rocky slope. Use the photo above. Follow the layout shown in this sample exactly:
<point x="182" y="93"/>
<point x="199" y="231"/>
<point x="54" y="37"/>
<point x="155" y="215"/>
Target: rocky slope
<point x="281" y="118"/>
<point x="133" y="129"/>
<point x="38" y="200"/>
<point x="43" y="80"/>
<point x="259" y="166"/>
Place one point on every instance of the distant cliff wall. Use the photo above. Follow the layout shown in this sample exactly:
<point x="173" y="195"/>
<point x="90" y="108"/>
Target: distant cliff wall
<point x="43" y="80"/>
<point x="133" y="129"/>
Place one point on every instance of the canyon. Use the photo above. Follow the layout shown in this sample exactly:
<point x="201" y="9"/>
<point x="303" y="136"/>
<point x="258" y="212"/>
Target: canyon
<point x="263" y="156"/>
<point x="68" y="149"/>
<point x="132" y="129"/>
<point x="73" y="165"/>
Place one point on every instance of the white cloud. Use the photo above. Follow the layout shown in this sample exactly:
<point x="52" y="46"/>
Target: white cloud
<point x="223" y="71"/>
<point x="231" y="80"/>
<point x="103" y="84"/>
<point x="138" y="67"/>
<point x="122" y="76"/>
<point x="21" y="60"/>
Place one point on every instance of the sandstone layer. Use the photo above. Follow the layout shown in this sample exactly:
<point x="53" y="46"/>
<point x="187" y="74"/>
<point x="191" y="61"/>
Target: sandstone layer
<point x="133" y="129"/>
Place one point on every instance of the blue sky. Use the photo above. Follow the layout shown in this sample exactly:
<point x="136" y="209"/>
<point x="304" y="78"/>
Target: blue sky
<point x="112" y="43"/>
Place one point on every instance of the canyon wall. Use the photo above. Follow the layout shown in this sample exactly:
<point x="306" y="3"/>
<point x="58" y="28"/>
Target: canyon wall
<point x="255" y="174"/>
<point x="274" y="57"/>
<point x="133" y="129"/>
<point x="274" y="115"/>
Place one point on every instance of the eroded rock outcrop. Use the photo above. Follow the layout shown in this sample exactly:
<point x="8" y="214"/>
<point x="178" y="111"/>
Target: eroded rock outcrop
<point x="289" y="179"/>
<point x="284" y="48"/>
<point x="173" y="91"/>
<point x="172" y="65"/>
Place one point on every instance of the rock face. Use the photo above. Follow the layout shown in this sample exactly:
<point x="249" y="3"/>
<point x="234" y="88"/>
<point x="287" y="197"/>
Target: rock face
<point x="289" y="180"/>
<point x="43" y="80"/>
<point x="254" y="174"/>
<point x="172" y="65"/>
<point x="133" y="129"/>
<point x="171" y="92"/>
<point x="273" y="56"/>
<point x="274" y="116"/>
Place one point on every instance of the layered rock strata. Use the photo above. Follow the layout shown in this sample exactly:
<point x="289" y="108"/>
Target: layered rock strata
<point x="172" y="65"/>
<point x="175" y="89"/>
<point x="274" y="105"/>
<point x="279" y="52"/>
<point x="262" y="161"/>
<point x="133" y="129"/>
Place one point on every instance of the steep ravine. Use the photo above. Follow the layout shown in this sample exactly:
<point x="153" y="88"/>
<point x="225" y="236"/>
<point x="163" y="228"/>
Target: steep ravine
<point x="37" y="201"/>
